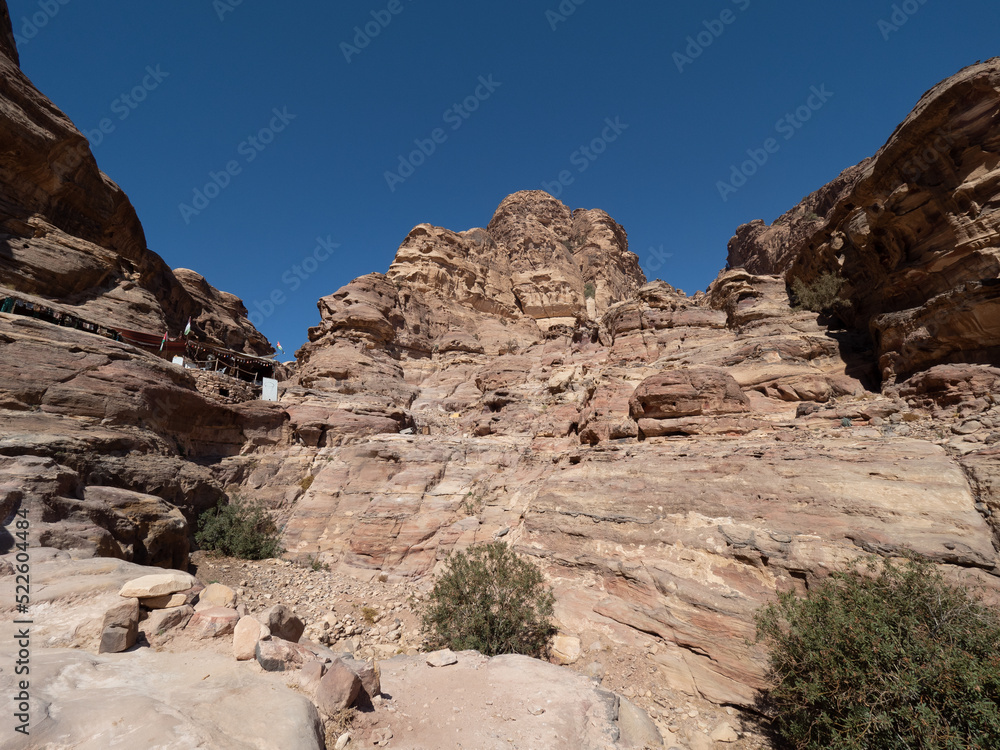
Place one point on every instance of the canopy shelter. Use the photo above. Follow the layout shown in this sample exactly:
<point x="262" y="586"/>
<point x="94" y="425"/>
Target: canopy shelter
<point x="235" y="364"/>
<point x="202" y="356"/>
<point x="153" y="341"/>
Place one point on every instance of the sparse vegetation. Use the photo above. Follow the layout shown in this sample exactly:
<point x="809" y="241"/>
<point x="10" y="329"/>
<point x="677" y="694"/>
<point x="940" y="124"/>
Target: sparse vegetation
<point x="822" y="296"/>
<point x="338" y="724"/>
<point x="316" y="564"/>
<point x="490" y="600"/>
<point x="368" y="614"/>
<point x="589" y="290"/>
<point x="241" y="529"/>
<point x="883" y="657"/>
<point x="510" y="347"/>
<point x="472" y="504"/>
<point x="812" y="216"/>
<point x="306" y="482"/>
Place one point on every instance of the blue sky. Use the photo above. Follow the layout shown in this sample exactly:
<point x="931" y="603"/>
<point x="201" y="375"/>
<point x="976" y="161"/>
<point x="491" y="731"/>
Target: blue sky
<point x="291" y="124"/>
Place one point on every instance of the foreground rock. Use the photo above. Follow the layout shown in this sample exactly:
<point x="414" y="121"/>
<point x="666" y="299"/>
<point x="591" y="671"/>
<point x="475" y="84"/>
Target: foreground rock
<point x="166" y="700"/>
<point x="506" y="701"/>
<point x="143" y="698"/>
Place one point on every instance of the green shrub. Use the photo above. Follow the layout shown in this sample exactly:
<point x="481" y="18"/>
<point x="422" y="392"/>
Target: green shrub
<point x="240" y="529"/>
<point x="490" y="600"/>
<point x="822" y="296"/>
<point x="887" y="660"/>
<point x="589" y="290"/>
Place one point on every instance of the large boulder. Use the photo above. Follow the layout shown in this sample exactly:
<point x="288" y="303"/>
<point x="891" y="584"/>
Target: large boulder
<point x="689" y="392"/>
<point x="120" y="628"/>
<point x="213" y="622"/>
<point x="337" y="689"/>
<point x="282" y="623"/>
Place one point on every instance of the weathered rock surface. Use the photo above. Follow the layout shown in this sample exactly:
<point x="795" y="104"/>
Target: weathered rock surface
<point x="769" y="486"/>
<point x="213" y="622"/>
<point x="158" y="584"/>
<point x="913" y="232"/>
<point x="505" y="700"/>
<point x="68" y="233"/>
<point x="120" y="627"/>
<point x="277" y="655"/>
<point x="338" y="688"/>
<point x="670" y="461"/>
<point x="162" y="620"/>
<point x="246" y="635"/>
<point x="282" y="623"/>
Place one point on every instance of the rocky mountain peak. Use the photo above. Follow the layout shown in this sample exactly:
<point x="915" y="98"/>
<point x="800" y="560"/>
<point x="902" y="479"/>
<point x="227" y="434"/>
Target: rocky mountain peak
<point x="535" y="258"/>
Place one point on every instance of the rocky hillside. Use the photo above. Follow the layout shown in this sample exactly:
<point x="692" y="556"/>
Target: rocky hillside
<point x="914" y="232"/>
<point x="114" y="450"/>
<point x="69" y="234"/>
<point x="671" y="462"/>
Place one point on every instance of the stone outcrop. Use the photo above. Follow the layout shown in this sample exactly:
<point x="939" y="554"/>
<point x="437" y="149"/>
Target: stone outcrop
<point x="110" y="448"/>
<point x="7" y="46"/>
<point x="913" y="232"/>
<point x="68" y="233"/>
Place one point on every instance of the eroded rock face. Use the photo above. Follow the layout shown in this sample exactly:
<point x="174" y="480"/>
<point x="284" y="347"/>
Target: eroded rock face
<point x="671" y="461"/>
<point x="913" y="231"/>
<point x="68" y="233"/>
<point x="7" y="45"/>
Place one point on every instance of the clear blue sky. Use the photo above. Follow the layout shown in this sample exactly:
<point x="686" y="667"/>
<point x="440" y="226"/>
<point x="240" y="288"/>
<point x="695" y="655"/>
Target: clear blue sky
<point x="230" y="64"/>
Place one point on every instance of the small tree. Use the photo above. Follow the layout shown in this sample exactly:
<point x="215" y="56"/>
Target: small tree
<point x="589" y="290"/>
<point x="822" y="296"/>
<point x="888" y="660"/>
<point x="490" y="600"/>
<point x="240" y="529"/>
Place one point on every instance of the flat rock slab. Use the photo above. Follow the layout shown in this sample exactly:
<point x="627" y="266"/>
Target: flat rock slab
<point x="69" y="597"/>
<point x="213" y="622"/>
<point x="146" y="699"/>
<point x="158" y="584"/>
<point x="489" y="704"/>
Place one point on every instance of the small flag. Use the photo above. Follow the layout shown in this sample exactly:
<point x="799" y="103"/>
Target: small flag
<point x="164" y="342"/>
<point x="187" y="328"/>
<point x="280" y="349"/>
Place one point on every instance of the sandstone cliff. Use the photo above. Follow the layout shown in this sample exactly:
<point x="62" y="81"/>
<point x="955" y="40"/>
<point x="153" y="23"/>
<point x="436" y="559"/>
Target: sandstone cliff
<point x="113" y="450"/>
<point x="671" y="461"/>
<point x="914" y="232"/>
<point x="68" y="233"/>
